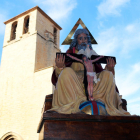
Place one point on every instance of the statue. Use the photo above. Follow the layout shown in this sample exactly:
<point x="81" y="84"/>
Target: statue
<point x="68" y="79"/>
<point x="91" y="76"/>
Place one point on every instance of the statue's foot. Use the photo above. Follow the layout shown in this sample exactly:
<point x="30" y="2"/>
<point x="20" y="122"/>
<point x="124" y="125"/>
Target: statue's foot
<point x="91" y="98"/>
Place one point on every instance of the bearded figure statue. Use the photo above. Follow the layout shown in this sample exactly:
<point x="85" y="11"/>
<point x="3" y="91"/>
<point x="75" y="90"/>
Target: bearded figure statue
<point x="68" y="79"/>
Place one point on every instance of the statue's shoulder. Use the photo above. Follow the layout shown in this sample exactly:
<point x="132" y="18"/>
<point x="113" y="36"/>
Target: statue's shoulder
<point x="71" y="50"/>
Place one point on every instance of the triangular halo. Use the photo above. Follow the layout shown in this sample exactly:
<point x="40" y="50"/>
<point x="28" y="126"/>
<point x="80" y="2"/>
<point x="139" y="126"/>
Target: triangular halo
<point x="68" y="39"/>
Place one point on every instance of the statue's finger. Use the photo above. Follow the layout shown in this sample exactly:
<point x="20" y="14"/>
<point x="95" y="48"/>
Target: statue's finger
<point x="114" y="62"/>
<point x="107" y="61"/>
<point x="57" y="57"/>
<point x="57" y="62"/>
<point x="64" y="59"/>
<point x="60" y="59"/>
<point x="111" y="64"/>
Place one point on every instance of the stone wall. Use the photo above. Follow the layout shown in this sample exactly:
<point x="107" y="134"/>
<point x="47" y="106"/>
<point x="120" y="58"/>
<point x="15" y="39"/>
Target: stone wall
<point x="25" y="77"/>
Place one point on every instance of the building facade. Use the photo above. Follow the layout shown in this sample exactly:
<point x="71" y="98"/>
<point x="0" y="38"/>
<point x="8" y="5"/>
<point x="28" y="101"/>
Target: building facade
<point x="30" y="45"/>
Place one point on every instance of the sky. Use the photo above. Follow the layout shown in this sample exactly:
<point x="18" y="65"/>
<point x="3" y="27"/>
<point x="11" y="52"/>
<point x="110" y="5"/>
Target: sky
<point x="115" y="25"/>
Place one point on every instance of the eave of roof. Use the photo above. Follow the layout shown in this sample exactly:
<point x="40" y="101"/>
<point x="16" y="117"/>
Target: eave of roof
<point x="30" y="10"/>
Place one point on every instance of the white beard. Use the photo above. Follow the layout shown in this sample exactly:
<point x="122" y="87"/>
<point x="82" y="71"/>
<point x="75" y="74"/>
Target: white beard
<point x="87" y="52"/>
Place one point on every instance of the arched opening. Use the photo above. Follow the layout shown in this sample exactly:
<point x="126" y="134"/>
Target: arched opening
<point x="11" y="136"/>
<point x="55" y="35"/>
<point x="26" y="24"/>
<point x="13" y="30"/>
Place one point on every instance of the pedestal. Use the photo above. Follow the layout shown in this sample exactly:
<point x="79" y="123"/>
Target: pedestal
<point x="54" y="126"/>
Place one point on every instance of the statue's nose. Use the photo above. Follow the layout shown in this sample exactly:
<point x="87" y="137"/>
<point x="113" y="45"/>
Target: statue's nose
<point x="83" y="40"/>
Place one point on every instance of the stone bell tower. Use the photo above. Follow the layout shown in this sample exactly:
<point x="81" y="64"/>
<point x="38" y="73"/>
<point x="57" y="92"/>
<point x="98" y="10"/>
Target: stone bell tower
<point x="30" y="45"/>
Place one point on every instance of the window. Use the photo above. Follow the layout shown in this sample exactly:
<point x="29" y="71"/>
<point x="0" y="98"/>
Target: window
<point x="26" y="25"/>
<point x="13" y="30"/>
<point x="11" y="136"/>
<point x="55" y="35"/>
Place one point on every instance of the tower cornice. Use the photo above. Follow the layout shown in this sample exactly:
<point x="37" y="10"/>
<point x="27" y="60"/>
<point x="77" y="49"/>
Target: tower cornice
<point x="30" y="10"/>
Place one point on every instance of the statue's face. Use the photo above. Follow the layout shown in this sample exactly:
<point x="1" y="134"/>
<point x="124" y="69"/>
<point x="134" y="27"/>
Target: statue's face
<point x="82" y="39"/>
<point x="85" y="59"/>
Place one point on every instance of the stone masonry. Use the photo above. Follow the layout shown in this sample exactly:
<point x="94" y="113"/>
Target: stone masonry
<point x="25" y="73"/>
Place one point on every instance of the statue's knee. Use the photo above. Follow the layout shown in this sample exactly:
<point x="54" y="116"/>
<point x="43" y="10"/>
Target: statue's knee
<point x="106" y="72"/>
<point x="66" y="71"/>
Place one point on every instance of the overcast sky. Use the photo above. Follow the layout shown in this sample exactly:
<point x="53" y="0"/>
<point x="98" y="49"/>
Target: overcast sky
<point x="115" y="25"/>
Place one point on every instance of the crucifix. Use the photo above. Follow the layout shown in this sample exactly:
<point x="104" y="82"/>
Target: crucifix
<point x="89" y="75"/>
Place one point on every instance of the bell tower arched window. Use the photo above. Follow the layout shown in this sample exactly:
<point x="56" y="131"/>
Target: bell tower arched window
<point x="55" y="35"/>
<point x="11" y="136"/>
<point x="13" y="31"/>
<point x="26" y="24"/>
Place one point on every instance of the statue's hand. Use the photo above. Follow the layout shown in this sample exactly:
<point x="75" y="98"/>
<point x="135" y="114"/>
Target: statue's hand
<point x="60" y="61"/>
<point x="110" y="64"/>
